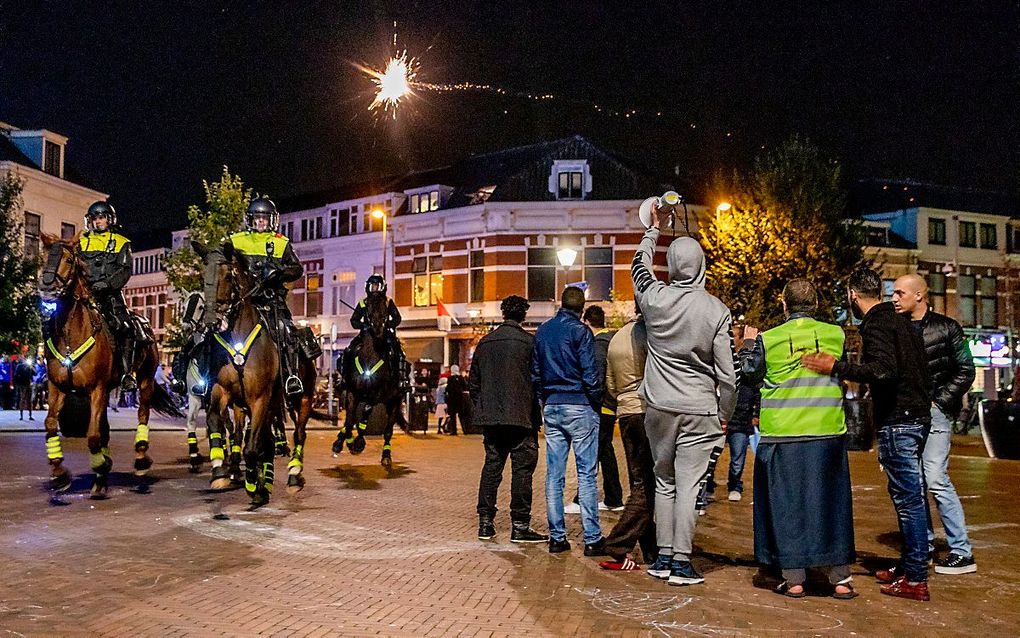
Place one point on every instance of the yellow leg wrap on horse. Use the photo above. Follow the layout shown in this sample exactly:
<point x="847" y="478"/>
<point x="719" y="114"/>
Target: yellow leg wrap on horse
<point x="386" y="447"/>
<point x="215" y="454"/>
<point x="295" y="462"/>
<point x="192" y="439"/>
<point x="349" y="439"/>
<point x="53" y="450"/>
<point x="236" y="449"/>
<point x="96" y="460"/>
<point x="299" y="451"/>
<point x="105" y="451"/>
<point x="142" y="434"/>
<point x="215" y="436"/>
<point x="362" y="426"/>
<point x="249" y="487"/>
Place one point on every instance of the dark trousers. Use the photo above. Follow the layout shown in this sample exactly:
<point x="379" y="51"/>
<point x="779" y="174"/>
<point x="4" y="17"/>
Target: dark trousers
<point x="450" y="426"/>
<point x="521" y="445"/>
<point x="636" y="524"/>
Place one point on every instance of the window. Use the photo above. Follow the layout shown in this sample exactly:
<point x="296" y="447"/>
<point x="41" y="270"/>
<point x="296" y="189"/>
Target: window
<point x="477" y="276"/>
<point x="989" y="306"/>
<point x="966" y="287"/>
<point x="313" y="295"/>
<point x="66" y="230"/>
<point x="51" y="158"/>
<point x="541" y="274"/>
<point x="937" y="292"/>
<point x="33" y="230"/>
<point x="340" y="222"/>
<point x="428" y="280"/>
<point x="424" y="202"/>
<point x="161" y="312"/>
<point x="989" y="237"/>
<point x="311" y="228"/>
<point x="888" y="285"/>
<point x="571" y="185"/>
<point x="598" y="272"/>
<point x="936" y="231"/>
<point x="288" y="230"/>
<point x="968" y="235"/>
<point x="344" y="283"/>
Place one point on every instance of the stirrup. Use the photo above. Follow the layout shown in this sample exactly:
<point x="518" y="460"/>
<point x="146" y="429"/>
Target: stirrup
<point x="293" y="385"/>
<point x="128" y="382"/>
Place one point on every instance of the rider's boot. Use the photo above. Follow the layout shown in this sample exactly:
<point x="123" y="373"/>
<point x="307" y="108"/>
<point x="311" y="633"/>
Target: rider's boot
<point x="127" y="354"/>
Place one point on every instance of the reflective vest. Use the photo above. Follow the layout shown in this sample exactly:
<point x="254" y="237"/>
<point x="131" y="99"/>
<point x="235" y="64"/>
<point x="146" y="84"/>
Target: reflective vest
<point x="96" y="242"/>
<point x="794" y="400"/>
<point x="255" y="244"/>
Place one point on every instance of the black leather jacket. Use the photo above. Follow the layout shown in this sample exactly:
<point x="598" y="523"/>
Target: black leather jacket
<point x="949" y="361"/>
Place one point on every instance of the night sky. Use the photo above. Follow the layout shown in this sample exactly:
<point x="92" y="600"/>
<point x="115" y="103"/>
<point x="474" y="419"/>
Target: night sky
<point x="156" y="96"/>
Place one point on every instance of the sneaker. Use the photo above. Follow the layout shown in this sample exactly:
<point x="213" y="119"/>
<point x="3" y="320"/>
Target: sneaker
<point x="556" y="547"/>
<point x="901" y="588"/>
<point x="660" y="568"/>
<point x="735" y="496"/>
<point x="524" y="534"/>
<point x="701" y="510"/>
<point x="603" y="507"/>
<point x="956" y="564"/>
<point x="486" y="530"/>
<point x="598" y="548"/>
<point x="572" y="508"/>
<point x="683" y="573"/>
<point x="614" y="508"/>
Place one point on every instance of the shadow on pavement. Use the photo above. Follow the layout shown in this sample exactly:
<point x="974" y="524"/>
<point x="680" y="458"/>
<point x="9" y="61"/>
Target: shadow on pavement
<point x="365" y="477"/>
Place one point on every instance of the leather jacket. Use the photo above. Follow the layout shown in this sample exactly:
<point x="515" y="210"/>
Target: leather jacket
<point x="949" y="361"/>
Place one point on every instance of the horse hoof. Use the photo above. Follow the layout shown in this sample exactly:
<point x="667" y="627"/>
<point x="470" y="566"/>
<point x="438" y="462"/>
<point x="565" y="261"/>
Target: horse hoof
<point x="357" y="446"/>
<point x="258" y="499"/>
<point x="142" y="465"/>
<point x="220" y="480"/>
<point x="105" y="467"/>
<point x="61" y="482"/>
<point x="196" y="464"/>
<point x="99" y="488"/>
<point x="295" y="483"/>
<point x="338" y="447"/>
<point x="282" y="449"/>
<point x="387" y="462"/>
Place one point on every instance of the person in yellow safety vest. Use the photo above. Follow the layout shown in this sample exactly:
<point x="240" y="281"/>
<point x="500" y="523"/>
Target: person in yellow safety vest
<point x="803" y="510"/>
<point x="107" y="257"/>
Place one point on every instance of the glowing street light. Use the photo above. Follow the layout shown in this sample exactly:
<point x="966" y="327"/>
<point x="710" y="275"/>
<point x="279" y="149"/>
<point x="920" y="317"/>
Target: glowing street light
<point x="723" y="207"/>
<point x="566" y="256"/>
<point x="380" y="214"/>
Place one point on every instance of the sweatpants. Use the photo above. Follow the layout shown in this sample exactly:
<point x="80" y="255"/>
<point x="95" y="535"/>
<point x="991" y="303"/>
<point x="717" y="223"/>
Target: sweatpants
<point x="681" y="446"/>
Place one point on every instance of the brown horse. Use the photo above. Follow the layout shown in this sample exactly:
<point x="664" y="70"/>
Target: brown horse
<point x="370" y="381"/>
<point x="80" y="362"/>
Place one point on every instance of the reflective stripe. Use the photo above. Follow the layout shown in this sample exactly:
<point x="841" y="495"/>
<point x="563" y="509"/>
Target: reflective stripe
<point x="295" y="462"/>
<point x="235" y="448"/>
<point x="71" y="359"/>
<point x="192" y="439"/>
<point x="804" y="382"/>
<point x="247" y="342"/>
<point x="215" y="454"/>
<point x="371" y="371"/>
<point x="142" y="434"/>
<point x="609" y="411"/>
<point x="362" y="426"/>
<point x="215" y="435"/>
<point x="96" y="460"/>
<point x="802" y="402"/>
<point x="53" y="450"/>
<point x="386" y="447"/>
<point x="249" y="487"/>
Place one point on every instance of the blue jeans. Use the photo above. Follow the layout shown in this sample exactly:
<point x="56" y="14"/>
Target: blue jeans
<point x="935" y="462"/>
<point x="576" y="425"/>
<point x="899" y="451"/>
<point x="738" y="453"/>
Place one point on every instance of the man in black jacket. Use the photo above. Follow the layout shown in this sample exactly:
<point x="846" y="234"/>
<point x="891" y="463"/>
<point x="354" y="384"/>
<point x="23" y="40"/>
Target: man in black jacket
<point x="895" y="367"/>
<point x="506" y="408"/>
<point x="952" y="373"/>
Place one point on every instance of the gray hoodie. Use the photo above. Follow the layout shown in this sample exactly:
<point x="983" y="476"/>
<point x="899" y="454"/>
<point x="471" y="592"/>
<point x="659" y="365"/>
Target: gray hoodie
<point x="690" y="367"/>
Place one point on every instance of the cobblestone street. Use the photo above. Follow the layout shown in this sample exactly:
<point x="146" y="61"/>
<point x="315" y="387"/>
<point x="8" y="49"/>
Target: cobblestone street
<point x="362" y="551"/>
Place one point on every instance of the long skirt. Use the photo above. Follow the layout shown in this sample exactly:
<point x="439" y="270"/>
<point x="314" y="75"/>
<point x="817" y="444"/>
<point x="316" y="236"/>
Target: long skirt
<point x="803" y="509"/>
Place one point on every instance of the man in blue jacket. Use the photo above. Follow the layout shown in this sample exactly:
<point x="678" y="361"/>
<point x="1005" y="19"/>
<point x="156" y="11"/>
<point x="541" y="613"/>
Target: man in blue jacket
<point x="566" y="377"/>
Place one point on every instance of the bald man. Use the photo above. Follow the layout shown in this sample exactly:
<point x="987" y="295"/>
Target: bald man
<point x="952" y="373"/>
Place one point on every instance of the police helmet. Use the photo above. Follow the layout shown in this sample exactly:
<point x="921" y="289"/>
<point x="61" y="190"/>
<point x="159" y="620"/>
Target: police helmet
<point x="375" y="283"/>
<point x="100" y="209"/>
<point x="262" y="206"/>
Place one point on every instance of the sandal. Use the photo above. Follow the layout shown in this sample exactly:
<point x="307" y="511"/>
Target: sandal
<point x="784" y="589"/>
<point x="625" y="565"/>
<point x="849" y="595"/>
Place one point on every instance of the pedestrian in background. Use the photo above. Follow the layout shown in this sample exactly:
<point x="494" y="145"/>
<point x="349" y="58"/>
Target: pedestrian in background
<point x="40" y="385"/>
<point x="625" y="368"/>
<point x="507" y="410"/>
<point x="689" y="389"/>
<point x="951" y="368"/>
<point x="895" y="366"/>
<point x="455" y="388"/>
<point x="595" y="318"/>
<point x="23" y="374"/>
<point x="741" y="426"/>
<point x="803" y="507"/>
<point x="6" y="383"/>
<point x="566" y="377"/>
<point x="441" y="413"/>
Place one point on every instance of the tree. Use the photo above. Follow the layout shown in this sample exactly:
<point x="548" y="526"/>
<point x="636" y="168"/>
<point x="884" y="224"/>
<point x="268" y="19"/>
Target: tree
<point x="226" y="200"/>
<point x="20" y="326"/>
<point x="787" y="220"/>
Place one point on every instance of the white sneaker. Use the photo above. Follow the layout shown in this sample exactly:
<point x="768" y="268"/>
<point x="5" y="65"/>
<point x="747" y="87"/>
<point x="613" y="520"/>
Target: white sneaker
<point x="735" y="496"/>
<point x="603" y="507"/>
<point x="572" y="508"/>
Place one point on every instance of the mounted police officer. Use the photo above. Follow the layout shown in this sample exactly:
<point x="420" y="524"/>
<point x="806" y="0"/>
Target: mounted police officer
<point x="270" y="260"/>
<point x="107" y="257"/>
<point x="394" y="355"/>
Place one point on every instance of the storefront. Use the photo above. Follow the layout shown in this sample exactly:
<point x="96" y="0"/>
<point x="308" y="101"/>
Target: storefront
<point x="995" y="358"/>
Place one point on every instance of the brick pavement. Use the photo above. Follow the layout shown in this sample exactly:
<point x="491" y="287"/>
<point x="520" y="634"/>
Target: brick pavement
<point x="363" y="552"/>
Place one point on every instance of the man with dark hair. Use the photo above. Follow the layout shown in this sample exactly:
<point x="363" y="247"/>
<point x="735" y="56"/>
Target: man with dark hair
<point x="803" y="508"/>
<point x="566" y="376"/>
<point x="506" y="408"/>
<point x="895" y="367"/>
<point x="952" y="373"/>
<point x="689" y="389"/>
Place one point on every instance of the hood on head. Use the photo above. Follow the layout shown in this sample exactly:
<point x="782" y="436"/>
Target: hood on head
<point x="686" y="262"/>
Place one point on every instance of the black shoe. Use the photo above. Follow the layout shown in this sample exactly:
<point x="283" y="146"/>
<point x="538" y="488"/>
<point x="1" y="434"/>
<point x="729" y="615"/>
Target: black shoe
<point x="486" y="530"/>
<point x="524" y="534"/>
<point x="683" y="573"/>
<point x="598" y="548"/>
<point x="956" y="564"/>
<point x="555" y="546"/>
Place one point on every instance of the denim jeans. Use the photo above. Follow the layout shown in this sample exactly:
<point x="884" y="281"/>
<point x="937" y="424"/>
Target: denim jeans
<point x="936" y="478"/>
<point x="575" y="425"/>
<point x="737" y="442"/>
<point x="899" y="451"/>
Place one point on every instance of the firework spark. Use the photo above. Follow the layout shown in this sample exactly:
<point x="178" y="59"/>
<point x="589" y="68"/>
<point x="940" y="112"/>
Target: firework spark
<point x="394" y="83"/>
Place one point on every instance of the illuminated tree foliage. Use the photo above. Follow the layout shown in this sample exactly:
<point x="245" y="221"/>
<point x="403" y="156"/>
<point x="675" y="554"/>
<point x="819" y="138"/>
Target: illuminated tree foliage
<point x="787" y="220"/>
<point x="20" y="326"/>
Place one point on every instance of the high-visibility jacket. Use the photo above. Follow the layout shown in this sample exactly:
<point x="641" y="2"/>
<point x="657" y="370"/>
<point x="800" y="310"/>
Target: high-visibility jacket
<point x="267" y="249"/>
<point x="107" y="257"/>
<point x="794" y="400"/>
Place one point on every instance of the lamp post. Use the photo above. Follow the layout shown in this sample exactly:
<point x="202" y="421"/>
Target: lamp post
<point x="379" y="213"/>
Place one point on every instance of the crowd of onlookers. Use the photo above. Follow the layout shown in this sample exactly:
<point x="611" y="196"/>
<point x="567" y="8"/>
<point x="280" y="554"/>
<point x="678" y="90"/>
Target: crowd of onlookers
<point x="23" y="385"/>
<point x="683" y="382"/>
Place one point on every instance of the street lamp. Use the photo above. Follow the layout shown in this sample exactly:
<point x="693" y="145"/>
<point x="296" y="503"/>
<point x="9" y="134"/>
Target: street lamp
<point x="723" y="207"/>
<point x="378" y="213"/>
<point x="566" y="256"/>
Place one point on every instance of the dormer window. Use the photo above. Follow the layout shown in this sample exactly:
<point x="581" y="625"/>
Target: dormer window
<point x="52" y="158"/>
<point x="570" y="179"/>
<point x="427" y="198"/>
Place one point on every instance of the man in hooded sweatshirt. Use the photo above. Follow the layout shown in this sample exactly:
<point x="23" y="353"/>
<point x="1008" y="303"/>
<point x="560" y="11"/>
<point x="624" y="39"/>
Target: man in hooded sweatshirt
<point x="689" y="388"/>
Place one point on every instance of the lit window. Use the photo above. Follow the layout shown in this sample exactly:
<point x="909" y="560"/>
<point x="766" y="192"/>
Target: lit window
<point x="936" y="231"/>
<point x="428" y="280"/>
<point x="51" y="159"/>
<point x="989" y="237"/>
<point x="968" y="235"/>
<point x="477" y="276"/>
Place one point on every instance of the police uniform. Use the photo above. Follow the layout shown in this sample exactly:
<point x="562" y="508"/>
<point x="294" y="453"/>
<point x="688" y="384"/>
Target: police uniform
<point x="376" y="285"/>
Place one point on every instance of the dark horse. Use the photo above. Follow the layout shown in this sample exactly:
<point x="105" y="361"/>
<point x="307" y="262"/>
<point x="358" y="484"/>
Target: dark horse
<point x="246" y="377"/>
<point x="80" y="363"/>
<point x="370" y="381"/>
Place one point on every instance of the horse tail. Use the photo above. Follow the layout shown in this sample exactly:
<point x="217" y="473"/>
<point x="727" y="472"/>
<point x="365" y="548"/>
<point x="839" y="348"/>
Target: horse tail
<point x="163" y="403"/>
